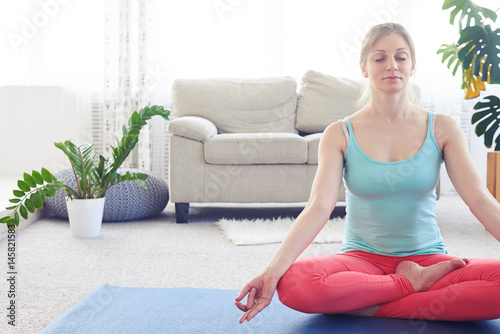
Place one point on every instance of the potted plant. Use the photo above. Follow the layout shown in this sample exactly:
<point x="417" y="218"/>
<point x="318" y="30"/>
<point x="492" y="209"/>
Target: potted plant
<point x="477" y="54"/>
<point x="93" y="178"/>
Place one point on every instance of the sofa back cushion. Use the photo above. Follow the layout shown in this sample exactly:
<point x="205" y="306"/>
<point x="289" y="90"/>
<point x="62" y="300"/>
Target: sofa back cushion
<point x="324" y="99"/>
<point x="239" y="105"/>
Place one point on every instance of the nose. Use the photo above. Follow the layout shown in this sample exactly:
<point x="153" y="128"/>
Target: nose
<point x="392" y="65"/>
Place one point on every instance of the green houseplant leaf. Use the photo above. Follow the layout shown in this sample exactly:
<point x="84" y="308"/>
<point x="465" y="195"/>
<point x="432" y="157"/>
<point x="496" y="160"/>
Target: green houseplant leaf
<point x="487" y="118"/>
<point x="450" y="53"/>
<point x="470" y="12"/>
<point x="31" y="195"/>
<point x="478" y="51"/>
<point x="480" y="48"/>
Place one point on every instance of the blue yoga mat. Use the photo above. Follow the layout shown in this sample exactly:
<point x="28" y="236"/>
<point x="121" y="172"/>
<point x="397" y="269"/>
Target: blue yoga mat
<point x="109" y="309"/>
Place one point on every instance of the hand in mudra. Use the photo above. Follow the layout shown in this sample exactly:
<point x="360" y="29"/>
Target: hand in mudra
<point x="260" y="292"/>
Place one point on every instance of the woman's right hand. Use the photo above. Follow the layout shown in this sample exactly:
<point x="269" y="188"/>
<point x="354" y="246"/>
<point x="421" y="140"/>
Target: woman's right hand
<point x="260" y="292"/>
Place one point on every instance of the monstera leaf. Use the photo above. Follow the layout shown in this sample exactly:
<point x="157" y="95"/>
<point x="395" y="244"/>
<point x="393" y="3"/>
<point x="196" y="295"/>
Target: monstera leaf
<point x="480" y="48"/>
<point x="472" y="84"/>
<point x="487" y="117"/>
<point x="450" y="53"/>
<point x="470" y="12"/>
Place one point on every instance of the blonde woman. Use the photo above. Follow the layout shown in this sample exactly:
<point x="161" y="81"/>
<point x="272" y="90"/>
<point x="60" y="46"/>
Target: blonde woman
<point x="393" y="262"/>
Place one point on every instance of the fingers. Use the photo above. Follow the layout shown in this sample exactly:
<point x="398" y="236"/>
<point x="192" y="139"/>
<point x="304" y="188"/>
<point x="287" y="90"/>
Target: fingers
<point x="252" y="312"/>
<point x="243" y="292"/>
<point x="250" y="301"/>
<point x="241" y="306"/>
<point x="251" y="298"/>
<point x="244" y="317"/>
<point x="251" y="308"/>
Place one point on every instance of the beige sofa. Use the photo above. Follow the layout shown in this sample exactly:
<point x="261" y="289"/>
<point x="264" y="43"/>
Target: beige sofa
<point x="251" y="140"/>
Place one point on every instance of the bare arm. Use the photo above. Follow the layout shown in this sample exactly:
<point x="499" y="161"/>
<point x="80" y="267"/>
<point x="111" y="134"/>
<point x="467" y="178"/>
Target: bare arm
<point x="322" y="201"/>
<point x="465" y="176"/>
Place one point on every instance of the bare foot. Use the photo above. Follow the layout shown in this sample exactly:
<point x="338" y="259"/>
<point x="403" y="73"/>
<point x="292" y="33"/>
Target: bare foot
<point x="422" y="278"/>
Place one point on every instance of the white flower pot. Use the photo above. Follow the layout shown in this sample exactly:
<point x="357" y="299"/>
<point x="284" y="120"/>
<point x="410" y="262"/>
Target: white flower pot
<point x="85" y="216"/>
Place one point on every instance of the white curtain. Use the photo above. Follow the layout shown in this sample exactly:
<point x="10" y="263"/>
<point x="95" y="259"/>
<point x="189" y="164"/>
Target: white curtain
<point x="125" y="75"/>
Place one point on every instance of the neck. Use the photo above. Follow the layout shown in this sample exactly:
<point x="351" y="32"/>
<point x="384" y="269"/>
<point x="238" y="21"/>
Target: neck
<point x="389" y="107"/>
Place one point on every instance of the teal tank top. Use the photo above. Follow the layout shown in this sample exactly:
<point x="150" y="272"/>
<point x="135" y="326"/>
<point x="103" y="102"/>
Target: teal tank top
<point x="390" y="206"/>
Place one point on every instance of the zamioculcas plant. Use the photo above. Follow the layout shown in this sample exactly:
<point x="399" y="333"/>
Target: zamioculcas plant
<point x="93" y="176"/>
<point x="477" y="52"/>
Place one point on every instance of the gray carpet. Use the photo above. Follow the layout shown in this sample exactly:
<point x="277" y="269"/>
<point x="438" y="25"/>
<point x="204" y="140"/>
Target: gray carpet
<point x="56" y="270"/>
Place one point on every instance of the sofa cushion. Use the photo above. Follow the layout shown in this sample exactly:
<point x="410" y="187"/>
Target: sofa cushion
<point x="312" y="147"/>
<point x="324" y="99"/>
<point x="239" y="105"/>
<point x="256" y="148"/>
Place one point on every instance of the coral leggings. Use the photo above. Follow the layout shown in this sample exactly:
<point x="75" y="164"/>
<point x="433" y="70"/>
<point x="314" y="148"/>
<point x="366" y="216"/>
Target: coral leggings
<point x="355" y="280"/>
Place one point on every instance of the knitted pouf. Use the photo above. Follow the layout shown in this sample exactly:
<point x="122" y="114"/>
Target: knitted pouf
<point x="125" y="201"/>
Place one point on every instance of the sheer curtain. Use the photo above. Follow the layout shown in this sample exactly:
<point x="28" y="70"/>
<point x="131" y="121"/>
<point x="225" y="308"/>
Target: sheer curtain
<point x="125" y="75"/>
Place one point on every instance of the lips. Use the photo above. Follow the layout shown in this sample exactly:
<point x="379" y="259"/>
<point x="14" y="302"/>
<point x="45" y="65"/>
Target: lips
<point x="392" y="78"/>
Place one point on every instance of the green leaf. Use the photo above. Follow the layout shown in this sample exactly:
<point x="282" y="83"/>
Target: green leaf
<point x="46" y="175"/>
<point x="142" y="176"/>
<point x="4" y="220"/>
<point x="166" y="114"/>
<point x="10" y="224"/>
<point x="142" y="184"/>
<point x="11" y="207"/>
<point x="14" y="200"/>
<point x="470" y="13"/>
<point x="42" y="195"/>
<point x="135" y="117"/>
<point x="29" y="180"/>
<point x="37" y="177"/>
<point x="16" y="217"/>
<point x="50" y="190"/>
<point x="479" y="48"/>
<point x="18" y="193"/>
<point x="23" y="212"/>
<point x="29" y="205"/>
<point x="37" y="200"/>
<point x="450" y="53"/>
<point x="487" y="118"/>
<point x="23" y="186"/>
<point x="72" y="192"/>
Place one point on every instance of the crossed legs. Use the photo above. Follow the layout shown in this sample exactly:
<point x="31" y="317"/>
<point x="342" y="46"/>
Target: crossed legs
<point x="375" y="285"/>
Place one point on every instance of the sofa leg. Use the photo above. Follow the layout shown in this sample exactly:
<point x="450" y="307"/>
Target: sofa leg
<point x="181" y="213"/>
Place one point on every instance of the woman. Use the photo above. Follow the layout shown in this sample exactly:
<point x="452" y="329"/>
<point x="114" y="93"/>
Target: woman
<point x="393" y="262"/>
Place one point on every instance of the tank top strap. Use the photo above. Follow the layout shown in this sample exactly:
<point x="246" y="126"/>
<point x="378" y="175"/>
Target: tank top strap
<point x="344" y="124"/>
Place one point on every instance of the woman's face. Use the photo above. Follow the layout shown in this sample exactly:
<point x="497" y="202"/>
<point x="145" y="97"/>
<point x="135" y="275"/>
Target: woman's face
<point x="389" y="65"/>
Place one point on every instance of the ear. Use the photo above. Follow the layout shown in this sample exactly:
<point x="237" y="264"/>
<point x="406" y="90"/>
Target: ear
<point x="363" y="70"/>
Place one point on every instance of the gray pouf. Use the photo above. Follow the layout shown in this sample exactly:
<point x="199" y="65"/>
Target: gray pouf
<point x="124" y="202"/>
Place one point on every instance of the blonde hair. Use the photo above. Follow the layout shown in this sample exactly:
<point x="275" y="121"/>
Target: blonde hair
<point x="370" y="39"/>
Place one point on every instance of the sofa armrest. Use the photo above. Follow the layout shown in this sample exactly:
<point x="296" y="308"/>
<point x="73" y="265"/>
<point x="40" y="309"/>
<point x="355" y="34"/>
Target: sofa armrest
<point x="192" y="127"/>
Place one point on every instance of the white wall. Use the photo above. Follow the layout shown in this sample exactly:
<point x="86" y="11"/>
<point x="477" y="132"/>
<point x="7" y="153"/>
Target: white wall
<point x="32" y="118"/>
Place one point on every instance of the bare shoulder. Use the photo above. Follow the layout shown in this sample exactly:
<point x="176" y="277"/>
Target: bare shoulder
<point x="445" y="121"/>
<point x="447" y="130"/>
<point x="334" y="137"/>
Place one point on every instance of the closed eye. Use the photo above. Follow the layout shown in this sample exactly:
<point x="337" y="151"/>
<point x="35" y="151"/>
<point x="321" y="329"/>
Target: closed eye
<point x="379" y="60"/>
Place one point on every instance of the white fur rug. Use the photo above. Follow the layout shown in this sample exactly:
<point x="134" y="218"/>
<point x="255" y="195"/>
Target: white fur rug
<point x="268" y="231"/>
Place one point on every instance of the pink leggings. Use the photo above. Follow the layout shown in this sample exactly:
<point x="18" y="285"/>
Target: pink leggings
<point x="342" y="283"/>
